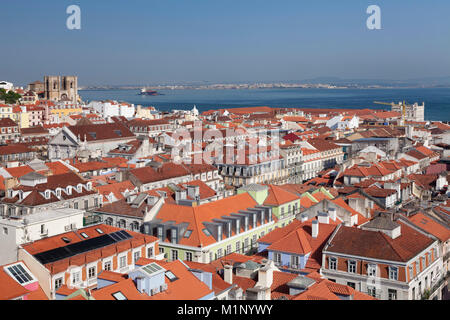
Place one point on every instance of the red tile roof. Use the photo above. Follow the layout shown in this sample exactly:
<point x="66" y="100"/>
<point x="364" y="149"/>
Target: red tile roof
<point x="89" y="256"/>
<point x="429" y="225"/>
<point x="278" y="196"/>
<point x="195" y="216"/>
<point x="10" y="288"/>
<point x="378" y="245"/>
<point x="99" y="132"/>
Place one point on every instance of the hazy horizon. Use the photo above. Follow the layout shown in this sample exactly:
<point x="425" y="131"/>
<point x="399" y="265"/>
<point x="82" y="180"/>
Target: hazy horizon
<point x="145" y="42"/>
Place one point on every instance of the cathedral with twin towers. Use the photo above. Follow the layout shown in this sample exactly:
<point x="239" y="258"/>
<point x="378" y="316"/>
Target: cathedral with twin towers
<point x="61" y="88"/>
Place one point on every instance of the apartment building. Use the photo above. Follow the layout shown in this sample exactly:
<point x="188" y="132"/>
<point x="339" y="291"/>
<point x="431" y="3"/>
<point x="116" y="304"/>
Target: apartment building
<point x="15" y="231"/>
<point x="384" y="258"/>
<point x="297" y="247"/>
<point x="292" y="154"/>
<point x="158" y="175"/>
<point x="150" y="128"/>
<point x="74" y="259"/>
<point x="265" y="165"/>
<point x="96" y="140"/>
<point x="9" y="130"/>
<point x="285" y="205"/>
<point x="204" y="233"/>
<point x="317" y="155"/>
<point x="37" y="192"/>
<point x="113" y="109"/>
<point x="130" y="212"/>
<point x="18" y="153"/>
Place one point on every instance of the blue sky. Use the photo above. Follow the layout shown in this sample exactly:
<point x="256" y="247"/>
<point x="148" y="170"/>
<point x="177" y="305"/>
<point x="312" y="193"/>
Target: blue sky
<point x="139" y="42"/>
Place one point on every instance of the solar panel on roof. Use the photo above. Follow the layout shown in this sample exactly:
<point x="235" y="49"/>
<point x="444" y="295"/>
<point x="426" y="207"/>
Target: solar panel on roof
<point x="20" y="274"/>
<point x="81" y="247"/>
<point x="115" y="237"/>
<point x="124" y="234"/>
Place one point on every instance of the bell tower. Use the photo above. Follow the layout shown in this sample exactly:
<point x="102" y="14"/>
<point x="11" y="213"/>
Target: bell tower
<point x="52" y="85"/>
<point x="61" y="88"/>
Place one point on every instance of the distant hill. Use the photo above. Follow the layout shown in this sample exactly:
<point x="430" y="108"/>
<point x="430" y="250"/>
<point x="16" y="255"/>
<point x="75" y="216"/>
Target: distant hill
<point x="418" y="82"/>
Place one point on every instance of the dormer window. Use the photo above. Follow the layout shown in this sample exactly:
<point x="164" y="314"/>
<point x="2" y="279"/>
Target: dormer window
<point x="219" y="233"/>
<point x="206" y="232"/>
<point x="69" y="190"/>
<point x="89" y="186"/>
<point x="58" y="192"/>
<point x="371" y="270"/>
<point x="79" y="188"/>
<point x="352" y="266"/>
<point x="160" y="233"/>
<point x="393" y="273"/>
<point x="332" y="264"/>
<point x="47" y="194"/>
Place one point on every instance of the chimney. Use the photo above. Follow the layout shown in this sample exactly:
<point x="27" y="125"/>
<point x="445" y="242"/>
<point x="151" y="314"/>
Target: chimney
<point x="180" y="195"/>
<point x="151" y="200"/>
<point x="303" y="217"/>
<point x="332" y="213"/>
<point x="265" y="275"/>
<point x="193" y="192"/>
<point x="323" y="218"/>
<point x="228" y="274"/>
<point x="315" y="229"/>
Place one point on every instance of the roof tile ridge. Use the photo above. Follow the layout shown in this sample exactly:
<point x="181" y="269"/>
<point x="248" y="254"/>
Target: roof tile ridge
<point x="194" y="213"/>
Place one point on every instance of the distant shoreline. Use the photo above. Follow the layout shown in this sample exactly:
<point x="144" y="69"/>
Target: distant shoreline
<point x="263" y="88"/>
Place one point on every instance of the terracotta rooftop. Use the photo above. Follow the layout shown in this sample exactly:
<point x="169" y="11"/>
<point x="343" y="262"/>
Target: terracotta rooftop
<point x="377" y="245"/>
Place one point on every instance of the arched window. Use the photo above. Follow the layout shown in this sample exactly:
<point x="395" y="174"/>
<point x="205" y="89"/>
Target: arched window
<point x="135" y="226"/>
<point x="122" y="223"/>
<point x="109" y="221"/>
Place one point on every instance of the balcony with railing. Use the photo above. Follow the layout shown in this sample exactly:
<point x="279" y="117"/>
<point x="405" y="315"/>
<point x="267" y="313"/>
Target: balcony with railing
<point x="436" y="284"/>
<point x="92" y="282"/>
<point x="289" y="214"/>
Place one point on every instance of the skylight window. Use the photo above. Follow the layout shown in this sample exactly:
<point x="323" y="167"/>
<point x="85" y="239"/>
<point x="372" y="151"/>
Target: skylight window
<point x="152" y="268"/>
<point x="66" y="240"/>
<point x="119" y="296"/>
<point x="171" y="276"/>
<point x="19" y="273"/>
<point x="206" y="231"/>
<point x="93" y="135"/>
<point x="99" y="231"/>
<point x="188" y="233"/>
<point x="84" y="235"/>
